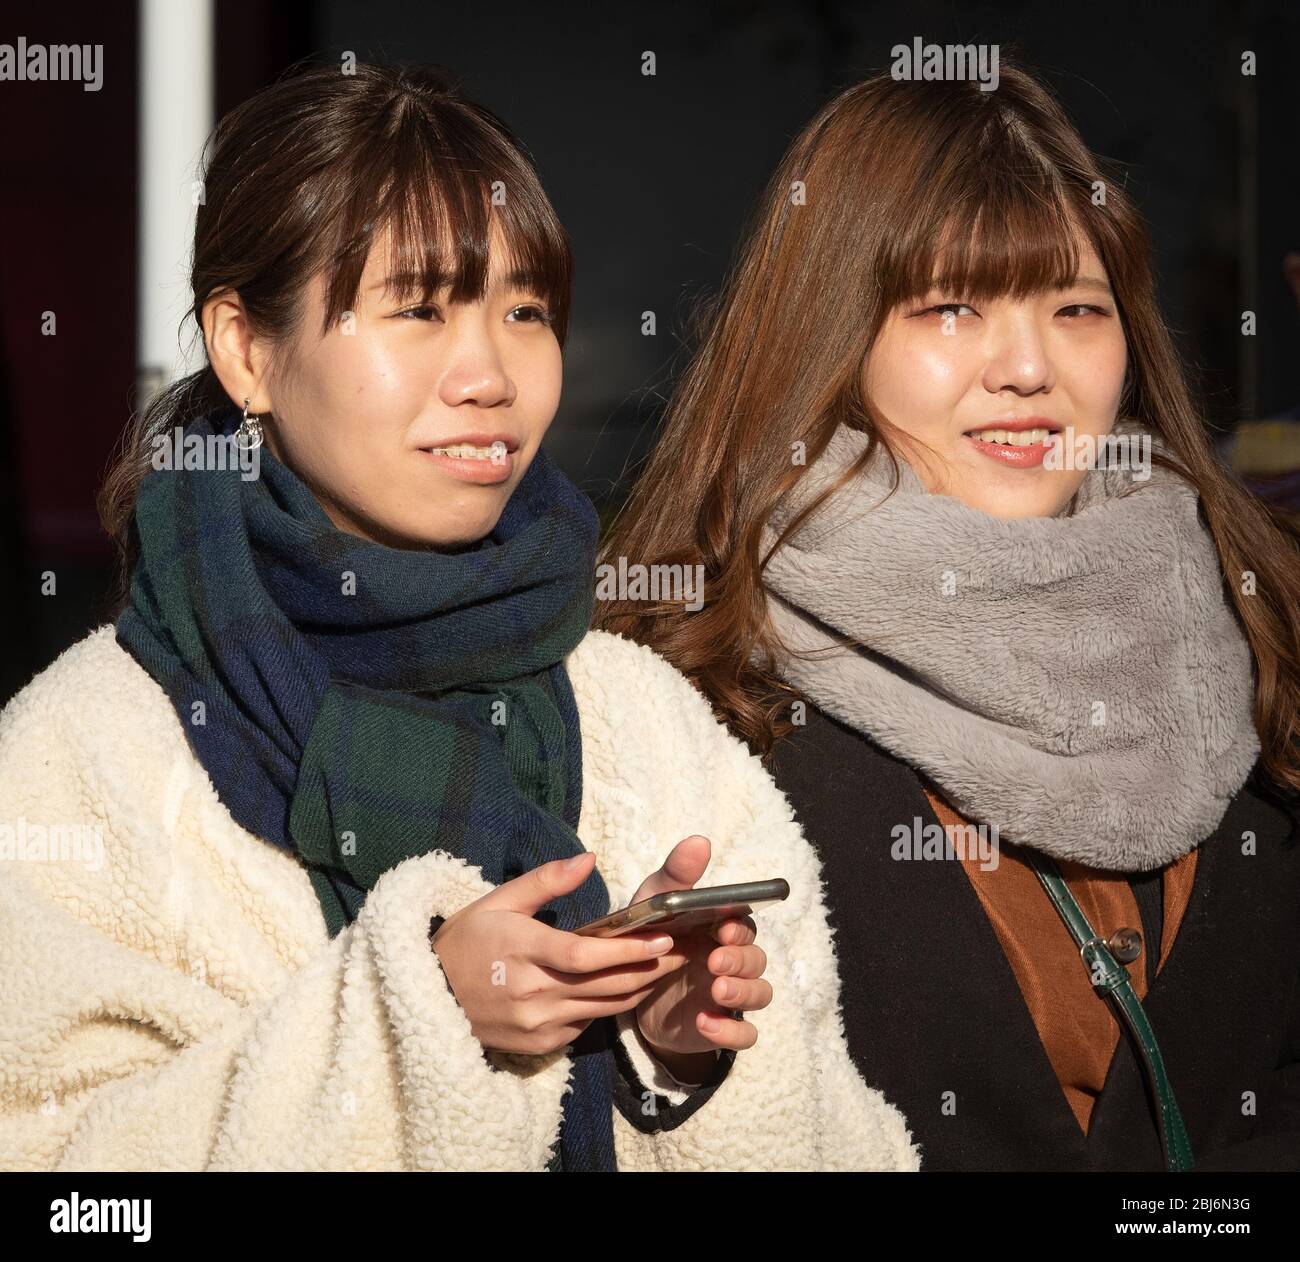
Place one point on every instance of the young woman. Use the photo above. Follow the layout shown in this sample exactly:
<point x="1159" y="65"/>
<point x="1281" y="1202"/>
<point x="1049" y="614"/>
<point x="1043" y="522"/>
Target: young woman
<point x="954" y="635"/>
<point x="297" y="838"/>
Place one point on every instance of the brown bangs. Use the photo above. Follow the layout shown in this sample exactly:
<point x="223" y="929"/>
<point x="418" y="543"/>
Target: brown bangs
<point x="446" y="182"/>
<point x="1000" y="224"/>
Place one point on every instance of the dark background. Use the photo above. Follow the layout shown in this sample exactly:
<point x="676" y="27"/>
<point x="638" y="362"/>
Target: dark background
<point x="653" y="177"/>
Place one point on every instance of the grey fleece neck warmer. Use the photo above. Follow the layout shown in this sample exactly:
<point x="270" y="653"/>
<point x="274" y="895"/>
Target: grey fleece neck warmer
<point x="1078" y="681"/>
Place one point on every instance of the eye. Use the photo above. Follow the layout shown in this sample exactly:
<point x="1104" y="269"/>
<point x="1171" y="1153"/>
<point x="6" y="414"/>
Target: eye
<point x="955" y="307"/>
<point x="424" y="312"/>
<point x="1083" y="308"/>
<point x="529" y="313"/>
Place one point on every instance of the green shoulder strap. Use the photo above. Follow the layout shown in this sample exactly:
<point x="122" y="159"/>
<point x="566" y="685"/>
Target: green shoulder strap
<point x="1112" y="978"/>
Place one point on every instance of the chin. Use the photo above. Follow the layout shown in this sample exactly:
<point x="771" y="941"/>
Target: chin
<point x="451" y="537"/>
<point x="1019" y="511"/>
<point x="1015" y="503"/>
<point x="1019" y="494"/>
<point x="1016" y="508"/>
<point x="462" y="529"/>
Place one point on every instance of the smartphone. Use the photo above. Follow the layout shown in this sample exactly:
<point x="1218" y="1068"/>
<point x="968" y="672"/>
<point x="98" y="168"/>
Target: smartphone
<point x="680" y="911"/>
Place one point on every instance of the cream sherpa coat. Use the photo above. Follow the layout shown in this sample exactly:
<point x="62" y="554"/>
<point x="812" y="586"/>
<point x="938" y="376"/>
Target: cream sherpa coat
<point x="178" y="1004"/>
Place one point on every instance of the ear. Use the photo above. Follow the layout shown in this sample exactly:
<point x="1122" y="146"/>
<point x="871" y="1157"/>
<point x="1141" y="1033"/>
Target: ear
<point x="237" y="357"/>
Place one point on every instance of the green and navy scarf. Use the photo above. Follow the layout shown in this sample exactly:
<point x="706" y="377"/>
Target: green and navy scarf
<point x="363" y="704"/>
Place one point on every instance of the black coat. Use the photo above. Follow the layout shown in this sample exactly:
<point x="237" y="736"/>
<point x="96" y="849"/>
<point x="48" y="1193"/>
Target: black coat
<point x="932" y="1006"/>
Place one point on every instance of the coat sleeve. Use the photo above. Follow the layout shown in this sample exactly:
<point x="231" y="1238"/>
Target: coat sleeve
<point x="659" y="767"/>
<point x="645" y="1093"/>
<point x="794" y="1101"/>
<point x="860" y="1129"/>
<point x="131" y="1039"/>
<point x="361" y="1059"/>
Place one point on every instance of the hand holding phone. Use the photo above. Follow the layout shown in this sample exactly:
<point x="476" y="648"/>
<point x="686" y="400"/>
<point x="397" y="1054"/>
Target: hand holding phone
<point x="700" y="1007"/>
<point x="681" y="911"/>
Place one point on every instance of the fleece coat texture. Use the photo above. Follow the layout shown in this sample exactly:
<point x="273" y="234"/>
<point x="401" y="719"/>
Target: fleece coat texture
<point x="170" y="998"/>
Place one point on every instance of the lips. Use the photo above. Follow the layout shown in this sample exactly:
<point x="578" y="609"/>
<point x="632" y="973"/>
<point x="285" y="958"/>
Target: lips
<point x="484" y="472"/>
<point x="479" y="457"/>
<point x="1016" y="442"/>
<point x="1017" y="425"/>
<point x="478" y="438"/>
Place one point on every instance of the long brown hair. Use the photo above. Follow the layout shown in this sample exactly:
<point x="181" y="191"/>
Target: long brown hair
<point x="305" y="175"/>
<point x="891" y="180"/>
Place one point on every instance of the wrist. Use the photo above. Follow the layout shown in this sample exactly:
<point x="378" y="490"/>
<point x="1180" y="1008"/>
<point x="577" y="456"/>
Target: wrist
<point x="690" y="1069"/>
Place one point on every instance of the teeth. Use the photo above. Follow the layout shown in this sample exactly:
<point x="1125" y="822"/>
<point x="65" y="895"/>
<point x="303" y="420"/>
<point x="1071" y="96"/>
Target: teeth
<point x="1011" y="438"/>
<point x="465" y="451"/>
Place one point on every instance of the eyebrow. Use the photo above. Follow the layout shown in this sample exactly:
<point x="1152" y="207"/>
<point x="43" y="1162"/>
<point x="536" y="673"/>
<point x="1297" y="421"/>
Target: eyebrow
<point x="1080" y="282"/>
<point x="1089" y="282"/>
<point x="517" y="278"/>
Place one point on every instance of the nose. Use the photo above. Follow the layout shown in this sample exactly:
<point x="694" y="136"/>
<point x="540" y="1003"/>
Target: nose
<point x="475" y="373"/>
<point x="1018" y="357"/>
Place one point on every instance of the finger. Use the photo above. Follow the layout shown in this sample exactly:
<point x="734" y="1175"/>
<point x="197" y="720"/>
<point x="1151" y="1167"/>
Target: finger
<point x="735" y="993"/>
<point x="684" y="866"/>
<point x="745" y="961"/>
<point x="572" y="1010"/>
<point x="737" y="931"/>
<point x="577" y="953"/>
<point x="615" y="981"/>
<point x="538" y="886"/>
<point x="728" y="1032"/>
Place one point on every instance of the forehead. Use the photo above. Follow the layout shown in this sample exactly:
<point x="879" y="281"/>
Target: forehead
<point x="382" y="273"/>
<point x="1088" y="260"/>
<point x="1089" y="272"/>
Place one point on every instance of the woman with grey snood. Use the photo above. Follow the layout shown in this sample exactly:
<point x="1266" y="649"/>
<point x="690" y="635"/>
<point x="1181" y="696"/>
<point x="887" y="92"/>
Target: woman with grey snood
<point x="1022" y="656"/>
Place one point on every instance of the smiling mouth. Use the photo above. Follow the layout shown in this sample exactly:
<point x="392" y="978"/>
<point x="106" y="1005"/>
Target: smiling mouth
<point x="1012" y="437"/>
<point x="1022" y="447"/>
<point x="468" y="451"/>
<point x="468" y="462"/>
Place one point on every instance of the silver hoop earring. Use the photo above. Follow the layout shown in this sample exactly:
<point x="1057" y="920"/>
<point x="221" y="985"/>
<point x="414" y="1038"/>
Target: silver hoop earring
<point x="249" y="433"/>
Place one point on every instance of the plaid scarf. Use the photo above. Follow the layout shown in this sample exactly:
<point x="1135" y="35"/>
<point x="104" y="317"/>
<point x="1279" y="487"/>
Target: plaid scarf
<point x="360" y="704"/>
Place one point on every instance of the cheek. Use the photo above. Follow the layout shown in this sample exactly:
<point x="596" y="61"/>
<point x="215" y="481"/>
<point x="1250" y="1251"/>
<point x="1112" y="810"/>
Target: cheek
<point x="538" y="375"/>
<point x="916" y="380"/>
<point x="350" y="378"/>
<point x="353" y="398"/>
<point x="1097" y="377"/>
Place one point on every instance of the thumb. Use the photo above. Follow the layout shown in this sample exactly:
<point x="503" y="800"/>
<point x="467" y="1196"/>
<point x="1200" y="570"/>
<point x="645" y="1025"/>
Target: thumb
<point x="534" y="889"/>
<point x="684" y="866"/>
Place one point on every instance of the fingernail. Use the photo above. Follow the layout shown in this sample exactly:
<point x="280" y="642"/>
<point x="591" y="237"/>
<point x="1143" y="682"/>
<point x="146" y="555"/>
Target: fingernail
<point x="711" y="1024"/>
<point x="658" y="945"/>
<point x="570" y="864"/>
<point x="729" y="992"/>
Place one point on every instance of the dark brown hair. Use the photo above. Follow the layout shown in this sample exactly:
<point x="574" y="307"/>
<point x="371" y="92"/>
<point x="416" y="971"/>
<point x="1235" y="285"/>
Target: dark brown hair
<point x="306" y="175"/>
<point x="904" y="183"/>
